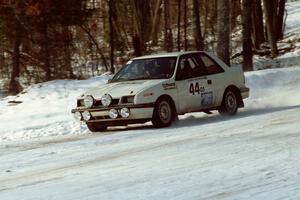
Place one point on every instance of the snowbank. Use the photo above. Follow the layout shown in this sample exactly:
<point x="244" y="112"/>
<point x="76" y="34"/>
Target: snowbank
<point x="44" y="109"/>
<point x="273" y="88"/>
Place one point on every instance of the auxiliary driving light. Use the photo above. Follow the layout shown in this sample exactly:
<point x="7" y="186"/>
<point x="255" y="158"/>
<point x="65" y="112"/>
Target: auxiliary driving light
<point x="125" y="112"/>
<point x="86" y="115"/>
<point x="77" y="116"/>
<point x="106" y="100"/>
<point x="113" y="113"/>
<point x="88" y="101"/>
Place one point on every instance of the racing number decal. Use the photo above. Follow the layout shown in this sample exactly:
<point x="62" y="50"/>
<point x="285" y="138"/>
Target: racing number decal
<point x="196" y="89"/>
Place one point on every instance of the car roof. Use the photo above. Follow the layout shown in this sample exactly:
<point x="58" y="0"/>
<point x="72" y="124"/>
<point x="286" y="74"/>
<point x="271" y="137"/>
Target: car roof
<point x="171" y="54"/>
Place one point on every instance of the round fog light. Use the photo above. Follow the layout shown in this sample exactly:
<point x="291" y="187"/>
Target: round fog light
<point x="88" y="101"/>
<point x="106" y="100"/>
<point x="77" y="115"/>
<point x="125" y="112"/>
<point x="113" y="113"/>
<point x="86" y="115"/>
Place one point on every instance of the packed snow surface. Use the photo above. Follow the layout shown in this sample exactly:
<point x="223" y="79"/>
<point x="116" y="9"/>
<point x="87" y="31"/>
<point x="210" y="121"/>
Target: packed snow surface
<point x="254" y="155"/>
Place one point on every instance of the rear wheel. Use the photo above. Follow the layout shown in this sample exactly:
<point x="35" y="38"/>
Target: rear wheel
<point x="94" y="127"/>
<point x="230" y="103"/>
<point x="163" y="113"/>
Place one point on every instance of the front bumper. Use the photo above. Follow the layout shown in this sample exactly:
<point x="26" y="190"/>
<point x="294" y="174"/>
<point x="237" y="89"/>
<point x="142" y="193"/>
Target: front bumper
<point x="138" y="113"/>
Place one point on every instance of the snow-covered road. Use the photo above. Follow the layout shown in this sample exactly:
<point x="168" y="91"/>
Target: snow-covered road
<point x="254" y="155"/>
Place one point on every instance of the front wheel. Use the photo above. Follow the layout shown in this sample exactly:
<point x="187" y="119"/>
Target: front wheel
<point x="230" y="103"/>
<point x="163" y="113"/>
<point x="94" y="127"/>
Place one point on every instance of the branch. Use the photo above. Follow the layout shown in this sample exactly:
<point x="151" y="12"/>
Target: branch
<point x="96" y="44"/>
<point x="264" y="52"/>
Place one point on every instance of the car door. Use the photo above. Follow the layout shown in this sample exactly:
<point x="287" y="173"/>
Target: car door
<point x="194" y="90"/>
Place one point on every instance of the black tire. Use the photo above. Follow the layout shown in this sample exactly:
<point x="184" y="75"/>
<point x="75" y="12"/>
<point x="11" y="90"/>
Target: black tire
<point x="163" y="113"/>
<point x="93" y="127"/>
<point x="229" y="104"/>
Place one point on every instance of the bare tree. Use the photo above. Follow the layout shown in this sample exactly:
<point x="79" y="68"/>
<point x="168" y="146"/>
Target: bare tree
<point x="197" y="28"/>
<point x="280" y="18"/>
<point x="185" y="26"/>
<point x="271" y="32"/>
<point x="247" y="43"/>
<point x="257" y="24"/>
<point x="142" y="23"/>
<point x="178" y="25"/>
<point x="223" y="30"/>
<point x="46" y="59"/>
<point x="156" y="21"/>
<point x="168" y="30"/>
<point x="111" y="30"/>
<point x="14" y="85"/>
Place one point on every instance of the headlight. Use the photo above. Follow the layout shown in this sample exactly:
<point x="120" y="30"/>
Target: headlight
<point x="77" y="115"/>
<point x="125" y="112"/>
<point x="88" y="101"/>
<point x="86" y="115"/>
<point x="106" y="100"/>
<point x="113" y="113"/>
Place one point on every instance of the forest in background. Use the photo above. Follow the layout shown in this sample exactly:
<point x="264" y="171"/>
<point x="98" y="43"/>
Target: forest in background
<point x="42" y="40"/>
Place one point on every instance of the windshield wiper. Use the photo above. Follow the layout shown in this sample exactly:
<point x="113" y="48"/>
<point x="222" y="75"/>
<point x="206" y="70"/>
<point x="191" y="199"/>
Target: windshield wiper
<point x="135" y="79"/>
<point x="140" y="78"/>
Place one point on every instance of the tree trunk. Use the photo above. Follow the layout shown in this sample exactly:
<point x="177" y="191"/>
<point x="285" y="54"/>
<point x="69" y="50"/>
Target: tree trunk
<point x="47" y="66"/>
<point x="268" y="10"/>
<point x="168" y="30"/>
<point x="206" y="18"/>
<point x="280" y="18"/>
<point x="274" y="5"/>
<point x="2" y="59"/>
<point x="178" y="25"/>
<point x="156" y="22"/>
<point x="197" y="28"/>
<point x="223" y="30"/>
<point x="247" y="43"/>
<point x="235" y="11"/>
<point x="14" y="85"/>
<point x="185" y="26"/>
<point x="67" y="52"/>
<point x="143" y="23"/>
<point x="111" y="31"/>
<point x="257" y="24"/>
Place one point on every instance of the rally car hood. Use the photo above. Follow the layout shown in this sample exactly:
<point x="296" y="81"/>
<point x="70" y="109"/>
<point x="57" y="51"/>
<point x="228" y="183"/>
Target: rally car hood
<point x="119" y="89"/>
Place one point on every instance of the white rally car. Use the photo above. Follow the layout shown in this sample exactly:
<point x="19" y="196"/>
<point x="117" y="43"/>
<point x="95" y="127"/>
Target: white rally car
<point x="160" y="87"/>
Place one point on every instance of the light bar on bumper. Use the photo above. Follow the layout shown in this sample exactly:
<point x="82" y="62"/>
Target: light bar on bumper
<point x="81" y="109"/>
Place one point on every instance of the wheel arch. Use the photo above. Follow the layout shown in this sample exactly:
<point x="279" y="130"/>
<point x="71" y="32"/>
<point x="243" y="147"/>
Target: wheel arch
<point x="170" y="99"/>
<point x="237" y="91"/>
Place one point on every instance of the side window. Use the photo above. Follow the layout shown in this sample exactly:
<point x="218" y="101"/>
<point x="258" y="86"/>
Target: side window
<point x="184" y="70"/>
<point x="189" y="67"/>
<point x="211" y="66"/>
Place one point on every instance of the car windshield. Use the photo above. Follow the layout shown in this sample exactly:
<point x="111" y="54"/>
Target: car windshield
<point x="151" y="68"/>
